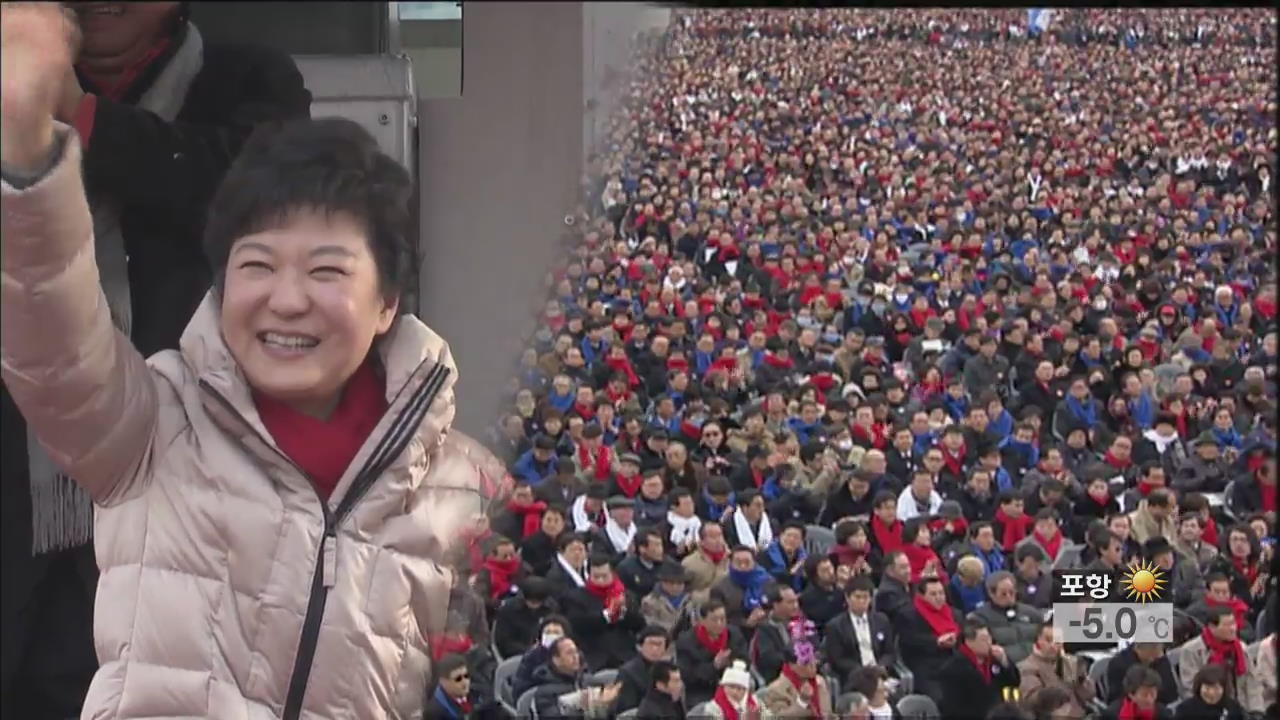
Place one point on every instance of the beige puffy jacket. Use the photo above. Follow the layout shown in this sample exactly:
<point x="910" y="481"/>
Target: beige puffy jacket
<point x="227" y="590"/>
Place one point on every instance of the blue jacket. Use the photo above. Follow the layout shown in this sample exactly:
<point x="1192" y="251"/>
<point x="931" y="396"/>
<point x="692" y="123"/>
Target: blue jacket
<point x="528" y="468"/>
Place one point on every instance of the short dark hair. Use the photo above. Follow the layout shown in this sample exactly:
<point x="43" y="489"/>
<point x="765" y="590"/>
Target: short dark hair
<point x="860" y="583"/>
<point x="971" y="627"/>
<point x="924" y="583"/>
<point x="327" y="164"/>
<point x="711" y="606"/>
<point x="1216" y="613"/>
<point x="1209" y="675"/>
<point x="1140" y="676"/>
<point x="651" y="630"/>
<point x="554" y="619"/>
<point x="568" y="539"/>
<point x="599" y="560"/>
<point x="448" y="664"/>
<point x="662" y="671"/>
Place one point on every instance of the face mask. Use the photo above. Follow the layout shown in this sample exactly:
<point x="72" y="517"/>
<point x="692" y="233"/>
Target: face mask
<point x="900" y="297"/>
<point x="878" y="307"/>
<point x="1100" y="304"/>
<point x="844" y="444"/>
<point x="549" y="638"/>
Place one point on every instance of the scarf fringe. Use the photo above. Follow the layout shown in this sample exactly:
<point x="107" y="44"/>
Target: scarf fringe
<point x="66" y="517"/>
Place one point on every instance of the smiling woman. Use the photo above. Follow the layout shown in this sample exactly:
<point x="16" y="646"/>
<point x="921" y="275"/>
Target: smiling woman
<point x="274" y="498"/>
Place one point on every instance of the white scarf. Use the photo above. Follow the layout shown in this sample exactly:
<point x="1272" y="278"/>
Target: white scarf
<point x="62" y="513"/>
<point x="575" y="575"/>
<point x="581" y="523"/>
<point x="683" y="530"/>
<point x="749" y="538"/>
<point x="620" y="538"/>
<point x="1161" y="443"/>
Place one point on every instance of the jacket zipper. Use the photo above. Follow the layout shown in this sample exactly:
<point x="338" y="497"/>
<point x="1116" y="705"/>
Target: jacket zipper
<point x="392" y="444"/>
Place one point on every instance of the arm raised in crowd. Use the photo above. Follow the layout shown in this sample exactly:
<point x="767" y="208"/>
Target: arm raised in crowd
<point x="86" y="392"/>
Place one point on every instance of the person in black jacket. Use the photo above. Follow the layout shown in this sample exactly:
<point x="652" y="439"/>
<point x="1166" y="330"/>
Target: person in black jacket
<point x="929" y="630"/>
<point x="1209" y="698"/>
<point x="1149" y="655"/>
<point x="664" y="699"/>
<point x="516" y="624"/>
<point x="705" y="650"/>
<point x="153" y="173"/>
<point x="850" y="500"/>
<point x="893" y="597"/>
<point x="1140" y="691"/>
<point x="979" y="675"/>
<point x="773" y="636"/>
<point x="822" y="600"/>
<point x="605" y="617"/>
<point x="634" y="675"/>
<point x="844" y="637"/>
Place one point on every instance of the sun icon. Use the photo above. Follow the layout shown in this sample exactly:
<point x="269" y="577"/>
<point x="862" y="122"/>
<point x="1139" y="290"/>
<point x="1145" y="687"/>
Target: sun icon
<point x="1144" y="581"/>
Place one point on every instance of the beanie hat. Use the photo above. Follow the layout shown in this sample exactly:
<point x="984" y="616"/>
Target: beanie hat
<point x="736" y="674"/>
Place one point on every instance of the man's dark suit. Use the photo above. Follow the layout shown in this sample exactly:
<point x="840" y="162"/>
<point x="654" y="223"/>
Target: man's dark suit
<point x="840" y="645"/>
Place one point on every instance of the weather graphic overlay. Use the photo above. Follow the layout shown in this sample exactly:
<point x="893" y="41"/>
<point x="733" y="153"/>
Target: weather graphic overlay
<point x="1098" y="607"/>
<point x="1143" y="582"/>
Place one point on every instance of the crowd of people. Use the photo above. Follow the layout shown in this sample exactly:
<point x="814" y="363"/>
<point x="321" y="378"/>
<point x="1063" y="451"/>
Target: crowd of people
<point x="869" y="321"/>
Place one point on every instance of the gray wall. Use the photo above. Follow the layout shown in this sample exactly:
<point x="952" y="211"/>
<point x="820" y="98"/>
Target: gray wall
<point x="499" y="170"/>
<point x="607" y="29"/>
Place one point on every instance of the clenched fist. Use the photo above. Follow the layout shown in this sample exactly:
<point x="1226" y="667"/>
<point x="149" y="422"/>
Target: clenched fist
<point x="38" y="43"/>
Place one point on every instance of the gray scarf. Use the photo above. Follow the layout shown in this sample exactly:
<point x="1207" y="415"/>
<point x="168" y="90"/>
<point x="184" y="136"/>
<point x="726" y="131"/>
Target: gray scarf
<point x="61" y="512"/>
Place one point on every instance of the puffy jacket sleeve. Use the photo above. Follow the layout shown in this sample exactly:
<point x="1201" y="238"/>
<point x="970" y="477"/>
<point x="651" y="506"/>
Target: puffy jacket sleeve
<point x="84" y="390"/>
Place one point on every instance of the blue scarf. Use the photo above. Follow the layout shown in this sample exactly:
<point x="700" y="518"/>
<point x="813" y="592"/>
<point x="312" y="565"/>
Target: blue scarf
<point x="957" y="408"/>
<point x="1003" y="483"/>
<point x="1142" y="411"/>
<point x="718" y="510"/>
<point x="1227" y="438"/>
<point x="752" y="583"/>
<point x="1089" y="362"/>
<point x="448" y="704"/>
<point x="802" y="429"/>
<point x="702" y="361"/>
<point x="674" y="600"/>
<point x="1086" y="414"/>
<point x="774" y="553"/>
<point x="1227" y="317"/>
<point x="770" y="490"/>
<point x="991" y="561"/>
<point x="1001" y="425"/>
<point x="921" y="443"/>
<point x="561" y="402"/>
<point x="1030" y="453"/>
<point x="970" y="597"/>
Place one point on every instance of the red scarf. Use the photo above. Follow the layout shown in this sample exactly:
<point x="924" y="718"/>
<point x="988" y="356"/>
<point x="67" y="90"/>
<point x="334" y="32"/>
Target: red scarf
<point x="1145" y="488"/>
<point x="715" y="558"/>
<point x="115" y="88"/>
<point x="757" y="477"/>
<point x="873" y="437"/>
<point x="587" y="412"/>
<point x="500" y="574"/>
<point x="1268" y="495"/>
<point x="847" y="556"/>
<point x="954" y="462"/>
<point x="712" y="645"/>
<point x="920" y="556"/>
<point x="623" y="365"/>
<point x="1238" y="607"/>
<point x="629" y="486"/>
<point x="324" y="448"/>
<point x="1014" y="528"/>
<point x="1210" y="533"/>
<point x="888" y="538"/>
<point x="1050" y="545"/>
<point x="531" y="514"/>
<point x="940" y="619"/>
<point x="774" y="361"/>
<point x="797" y="682"/>
<point x="1116" y="462"/>
<point x="449" y="643"/>
<point x="1224" y="653"/>
<point x="1247" y="569"/>
<point x="727" y="711"/>
<point x="983" y="666"/>
<point x="599" y="465"/>
<point x="606" y="594"/>
<point x="1129" y="710"/>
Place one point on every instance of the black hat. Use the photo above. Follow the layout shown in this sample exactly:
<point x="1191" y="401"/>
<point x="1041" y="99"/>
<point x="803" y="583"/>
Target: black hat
<point x="620" y="501"/>
<point x="597" y="491"/>
<point x="566" y="466"/>
<point x="542" y="441"/>
<point x="630" y="458"/>
<point x="659" y="434"/>
<point x="535" y="588"/>
<point x="592" y="431"/>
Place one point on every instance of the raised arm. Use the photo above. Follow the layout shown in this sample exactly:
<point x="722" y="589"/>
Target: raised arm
<point x="85" y="392"/>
